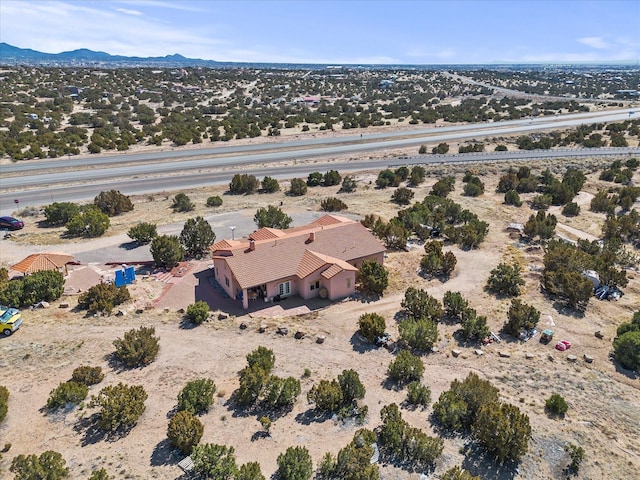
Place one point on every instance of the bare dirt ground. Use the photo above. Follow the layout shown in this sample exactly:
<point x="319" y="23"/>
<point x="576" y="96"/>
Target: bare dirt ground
<point x="604" y="414"/>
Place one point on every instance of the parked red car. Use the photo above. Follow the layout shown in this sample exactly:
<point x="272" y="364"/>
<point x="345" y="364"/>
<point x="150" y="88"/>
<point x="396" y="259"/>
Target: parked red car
<point x="563" y="345"/>
<point x="11" y="223"/>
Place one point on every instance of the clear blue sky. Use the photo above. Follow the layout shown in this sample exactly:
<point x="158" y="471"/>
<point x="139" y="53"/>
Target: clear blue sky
<point x="405" y="32"/>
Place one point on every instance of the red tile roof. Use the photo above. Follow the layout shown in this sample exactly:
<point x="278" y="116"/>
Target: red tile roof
<point x="42" y="261"/>
<point x="336" y="241"/>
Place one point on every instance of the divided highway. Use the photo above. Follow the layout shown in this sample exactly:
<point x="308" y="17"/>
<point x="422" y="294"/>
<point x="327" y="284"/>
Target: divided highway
<point x="76" y="179"/>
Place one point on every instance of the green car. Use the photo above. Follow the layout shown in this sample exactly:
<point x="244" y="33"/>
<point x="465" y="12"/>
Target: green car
<point x="10" y="320"/>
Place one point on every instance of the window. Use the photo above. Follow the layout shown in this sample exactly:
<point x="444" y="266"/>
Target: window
<point x="284" y="288"/>
<point x="348" y="283"/>
<point x="315" y="285"/>
<point x="226" y="281"/>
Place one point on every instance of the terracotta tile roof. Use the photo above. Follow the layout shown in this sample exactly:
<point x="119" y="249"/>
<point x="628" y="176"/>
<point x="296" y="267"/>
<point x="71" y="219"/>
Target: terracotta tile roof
<point x="295" y="254"/>
<point x="333" y="270"/>
<point x="226" y="245"/>
<point x="309" y="263"/>
<point x="330" y="220"/>
<point x="266" y="233"/>
<point x="42" y="261"/>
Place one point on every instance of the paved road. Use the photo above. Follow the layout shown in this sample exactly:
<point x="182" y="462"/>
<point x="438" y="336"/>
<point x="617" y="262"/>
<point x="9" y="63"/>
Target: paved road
<point x="32" y="187"/>
<point x="136" y="186"/>
<point x="368" y="141"/>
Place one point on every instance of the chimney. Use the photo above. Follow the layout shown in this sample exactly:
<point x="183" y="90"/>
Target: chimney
<point x="252" y="245"/>
<point x="312" y="236"/>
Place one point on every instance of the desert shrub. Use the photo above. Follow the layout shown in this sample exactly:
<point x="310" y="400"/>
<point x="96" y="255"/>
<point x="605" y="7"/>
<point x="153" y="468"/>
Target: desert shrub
<point x="443" y="187"/>
<point x="47" y="285"/>
<point x="326" y="395"/>
<point x="60" y="213"/>
<point x="512" y="198"/>
<point x="100" y="474"/>
<point x="4" y="402"/>
<point x="351" y="386"/>
<point x="166" y="251"/>
<point x="520" y="317"/>
<point x="49" y="465"/>
<point x="348" y="184"/>
<point x="503" y="430"/>
<point x="120" y="406"/>
<point x="197" y="236"/>
<point x="67" y="393"/>
<point x="417" y="303"/>
<point x="90" y="222"/>
<point x="113" y="203"/>
<point x="298" y="187"/>
<point x="250" y="471"/>
<point x="138" y="347"/>
<point x="143" y="232"/>
<point x="214" y="201"/>
<point x="540" y="225"/>
<point x="184" y="431"/>
<point x="87" y="375"/>
<point x="571" y="209"/>
<point x="405" y="444"/>
<point x="102" y="298"/>
<point x="332" y="177"/>
<point x="456" y="473"/>
<point x="314" y="179"/>
<point x="402" y="196"/>
<point x="270" y="185"/>
<point x="182" y="203"/>
<point x="456" y="408"/>
<point x="418" y="394"/>
<point x="242" y="183"/>
<point x="626" y="349"/>
<point x="632" y="326"/>
<point x="262" y="358"/>
<point x="541" y="202"/>
<point x="371" y="326"/>
<point x="198" y="312"/>
<point x="373" y="277"/>
<point x="505" y="279"/>
<point x="474" y="326"/>
<point x="332" y="204"/>
<point x="295" y="464"/>
<point x="406" y="368"/>
<point x="272" y="217"/>
<point x="556" y="404"/>
<point x="422" y="150"/>
<point x="576" y="454"/>
<point x="280" y="392"/>
<point x="454" y="305"/>
<point x="387" y="177"/>
<point x="474" y="189"/>
<point x="214" y="462"/>
<point x="197" y="396"/>
<point x="420" y="334"/>
<point x="440" y="149"/>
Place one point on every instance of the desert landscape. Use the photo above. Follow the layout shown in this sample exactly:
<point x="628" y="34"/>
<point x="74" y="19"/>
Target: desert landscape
<point x="604" y="412"/>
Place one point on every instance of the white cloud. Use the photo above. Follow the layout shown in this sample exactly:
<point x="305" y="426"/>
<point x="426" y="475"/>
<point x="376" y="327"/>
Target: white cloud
<point x="594" y="42"/>
<point x="128" y="11"/>
<point x="175" y="5"/>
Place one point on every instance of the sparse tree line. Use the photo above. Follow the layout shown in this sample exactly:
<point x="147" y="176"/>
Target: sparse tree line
<point x="147" y="110"/>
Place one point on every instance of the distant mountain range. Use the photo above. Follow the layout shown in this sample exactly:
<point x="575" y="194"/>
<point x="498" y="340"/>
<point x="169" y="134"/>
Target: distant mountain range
<point x="11" y="55"/>
<point x="15" y="55"/>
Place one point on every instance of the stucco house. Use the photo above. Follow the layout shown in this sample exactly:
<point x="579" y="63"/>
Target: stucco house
<point x="318" y="259"/>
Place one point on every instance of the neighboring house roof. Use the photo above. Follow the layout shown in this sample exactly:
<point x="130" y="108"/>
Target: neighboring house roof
<point x="330" y="241"/>
<point x="42" y="261"/>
